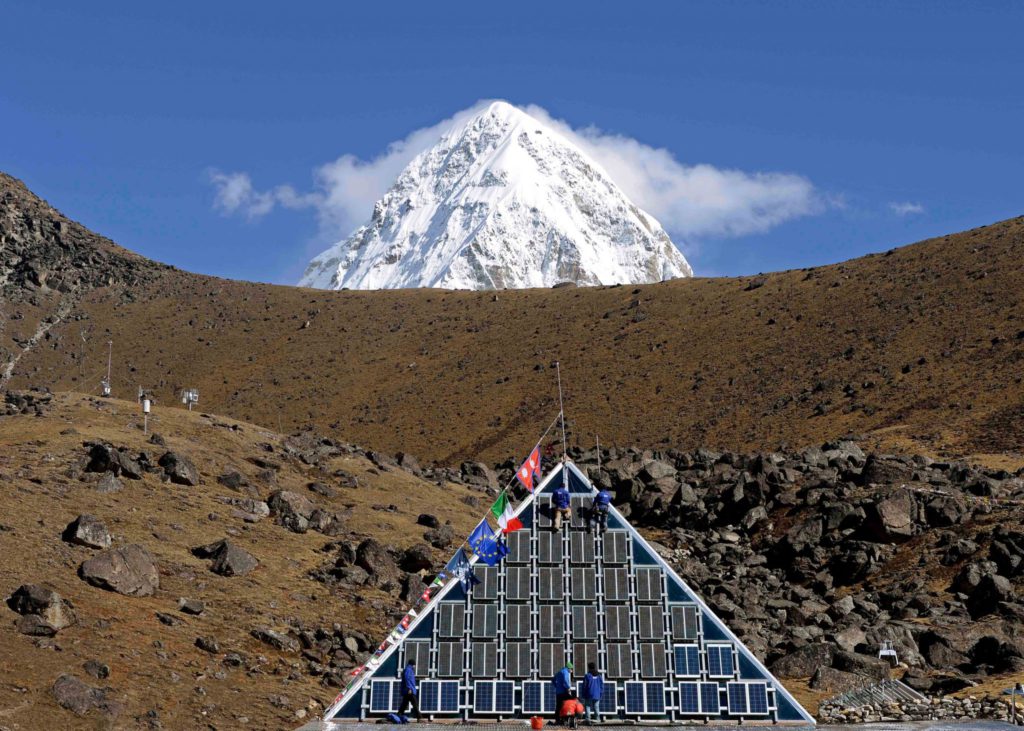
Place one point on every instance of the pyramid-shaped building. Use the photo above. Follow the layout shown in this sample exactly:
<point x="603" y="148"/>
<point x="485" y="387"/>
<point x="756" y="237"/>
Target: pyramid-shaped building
<point x="581" y="596"/>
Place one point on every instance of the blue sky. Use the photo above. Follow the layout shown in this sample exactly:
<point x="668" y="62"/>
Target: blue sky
<point x="117" y="118"/>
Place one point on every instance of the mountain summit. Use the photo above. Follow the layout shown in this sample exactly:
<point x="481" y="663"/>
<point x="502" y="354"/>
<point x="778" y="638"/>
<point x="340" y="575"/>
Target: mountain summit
<point x="501" y="201"/>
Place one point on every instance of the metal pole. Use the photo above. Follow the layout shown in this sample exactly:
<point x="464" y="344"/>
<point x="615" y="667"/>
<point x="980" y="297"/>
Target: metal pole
<point x="597" y="437"/>
<point x="110" y="352"/>
<point x="561" y="408"/>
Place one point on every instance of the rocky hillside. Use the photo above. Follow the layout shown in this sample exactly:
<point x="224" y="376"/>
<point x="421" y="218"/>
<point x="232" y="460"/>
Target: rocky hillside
<point x="221" y="575"/>
<point x="918" y="349"/>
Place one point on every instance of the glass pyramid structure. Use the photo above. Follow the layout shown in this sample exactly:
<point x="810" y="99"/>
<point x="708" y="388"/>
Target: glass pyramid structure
<point x="581" y="596"/>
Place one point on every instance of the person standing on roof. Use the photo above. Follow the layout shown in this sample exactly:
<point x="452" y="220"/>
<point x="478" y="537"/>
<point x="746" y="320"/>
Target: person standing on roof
<point x="563" y="685"/>
<point x="593" y="686"/>
<point x="410" y="694"/>
<point x="599" y="511"/>
<point x="561" y="504"/>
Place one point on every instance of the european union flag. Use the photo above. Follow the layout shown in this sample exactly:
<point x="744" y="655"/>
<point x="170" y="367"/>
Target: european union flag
<point x="492" y="549"/>
<point x="481" y="533"/>
<point x="460" y="568"/>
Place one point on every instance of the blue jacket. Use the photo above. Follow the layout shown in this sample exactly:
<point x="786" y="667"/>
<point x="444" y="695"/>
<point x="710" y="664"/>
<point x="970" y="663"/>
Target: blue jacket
<point x="561" y="681"/>
<point x="593" y="685"/>
<point x="409" y="680"/>
<point x="603" y="500"/>
<point x="561" y="498"/>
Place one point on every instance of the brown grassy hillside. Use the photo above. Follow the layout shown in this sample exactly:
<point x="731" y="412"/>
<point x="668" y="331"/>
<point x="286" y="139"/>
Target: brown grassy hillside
<point x="153" y="665"/>
<point x="921" y="348"/>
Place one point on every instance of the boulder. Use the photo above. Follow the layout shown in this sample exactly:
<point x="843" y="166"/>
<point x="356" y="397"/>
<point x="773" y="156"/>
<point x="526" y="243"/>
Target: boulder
<point x="322" y="489"/>
<point x="129" y="570"/>
<point x="77" y="697"/>
<point x="194" y="607"/>
<point x="408" y="463"/>
<point x="233" y="480"/>
<point x="109" y="483"/>
<point x="44" y="612"/>
<point x="428" y="520"/>
<point x="275" y="639"/>
<point x="228" y="559"/>
<point x="87" y="530"/>
<point x="985" y="598"/>
<point x="837" y="681"/>
<point x="440" y="537"/>
<point x="375" y="560"/>
<point x="417" y="558"/>
<point x="291" y="510"/>
<point x="887" y="470"/>
<point x="892" y="518"/>
<point x="179" y="469"/>
<point x="804" y="661"/>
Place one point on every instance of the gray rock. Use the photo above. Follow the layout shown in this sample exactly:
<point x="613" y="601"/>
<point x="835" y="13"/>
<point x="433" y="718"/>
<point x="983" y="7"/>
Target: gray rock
<point x="129" y="570"/>
<point x="228" y="559"/>
<point x="77" y="697"/>
<point x="291" y="510"/>
<point x="109" y="483"/>
<point x="44" y="612"/>
<point x="804" y="661"/>
<point x="275" y="639"/>
<point x="417" y="558"/>
<point x="97" y="669"/>
<point x="191" y="606"/>
<point x="87" y="530"/>
<point x="179" y="469"/>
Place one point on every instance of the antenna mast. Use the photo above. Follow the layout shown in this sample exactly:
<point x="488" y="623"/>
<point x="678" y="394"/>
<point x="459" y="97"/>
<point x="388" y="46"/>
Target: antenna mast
<point x="561" y="408"/>
<point x="106" y="382"/>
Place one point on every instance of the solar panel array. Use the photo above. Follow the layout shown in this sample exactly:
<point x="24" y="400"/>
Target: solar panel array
<point x="582" y="597"/>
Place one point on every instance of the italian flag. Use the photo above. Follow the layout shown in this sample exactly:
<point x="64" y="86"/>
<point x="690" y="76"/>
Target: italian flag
<point x="502" y="512"/>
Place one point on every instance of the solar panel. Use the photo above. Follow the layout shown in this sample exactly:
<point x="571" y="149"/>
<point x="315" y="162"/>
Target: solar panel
<point x="636" y="698"/>
<point x="710" y="699"/>
<point x="538" y="697"/>
<point x="543" y="507"/>
<point x="581" y="548"/>
<point x="655" y="697"/>
<point x="485" y="620"/>
<point x="449" y="696"/>
<point x="517" y="621"/>
<point x="488" y="586"/>
<point x="652" y="660"/>
<point x="517" y="659"/>
<point x="504" y="696"/>
<point x="648" y="584"/>
<point x="385" y="695"/>
<point x="552" y="658"/>
<point x="689" y="698"/>
<point x="584" y="621"/>
<point x="652" y="623"/>
<point x="737" y="694"/>
<point x="483" y="696"/>
<point x="687" y="661"/>
<point x="419" y="651"/>
<point x="616" y="585"/>
<point x="551" y="621"/>
<point x="620" y="660"/>
<point x="451" y="619"/>
<point x="449" y="659"/>
<point x="550" y="584"/>
<point x="517" y="582"/>
<point x="720" y="661"/>
<point x="583" y="653"/>
<point x="518" y="547"/>
<point x="615" y="546"/>
<point x="757" y="695"/>
<point x="616" y="622"/>
<point x="580" y="510"/>
<point x="549" y="547"/>
<point x="684" y="621"/>
<point x="430" y="696"/>
<point x="485" y="659"/>
<point x="583" y="584"/>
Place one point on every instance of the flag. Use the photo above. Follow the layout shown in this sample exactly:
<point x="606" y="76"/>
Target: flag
<point x="525" y="476"/>
<point x="357" y="670"/>
<point x="425" y="596"/>
<point x="438" y="580"/>
<point x="503" y="513"/>
<point x="534" y="461"/>
<point x="479" y="534"/>
<point x="492" y="549"/>
<point x="461" y="569"/>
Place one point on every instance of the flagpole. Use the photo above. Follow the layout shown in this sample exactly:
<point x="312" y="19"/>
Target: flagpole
<point x="561" y="408"/>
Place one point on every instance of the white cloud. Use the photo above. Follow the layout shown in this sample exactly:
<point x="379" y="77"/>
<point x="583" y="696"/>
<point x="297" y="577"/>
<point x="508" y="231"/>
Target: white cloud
<point x="906" y="208"/>
<point x="689" y="200"/>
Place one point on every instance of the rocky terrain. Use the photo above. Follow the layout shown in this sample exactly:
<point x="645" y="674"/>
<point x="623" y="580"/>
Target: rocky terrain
<point x="217" y="574"/>
<point x="918" y="349"/>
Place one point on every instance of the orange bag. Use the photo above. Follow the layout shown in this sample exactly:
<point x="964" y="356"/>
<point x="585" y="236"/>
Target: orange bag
<point x="536" y="723"/>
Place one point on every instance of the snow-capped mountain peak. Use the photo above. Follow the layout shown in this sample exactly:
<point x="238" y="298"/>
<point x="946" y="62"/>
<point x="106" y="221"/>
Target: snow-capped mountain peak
<point x="501" y="200"/>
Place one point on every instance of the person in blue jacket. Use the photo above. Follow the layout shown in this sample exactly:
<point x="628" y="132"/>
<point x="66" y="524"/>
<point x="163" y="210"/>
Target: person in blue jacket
<point x="561" y="505"/>
<point x="593" y="686"/>
<point x="599" y="512"/>
<point x="563" y="684"/>
<point x="410" y="694"/>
